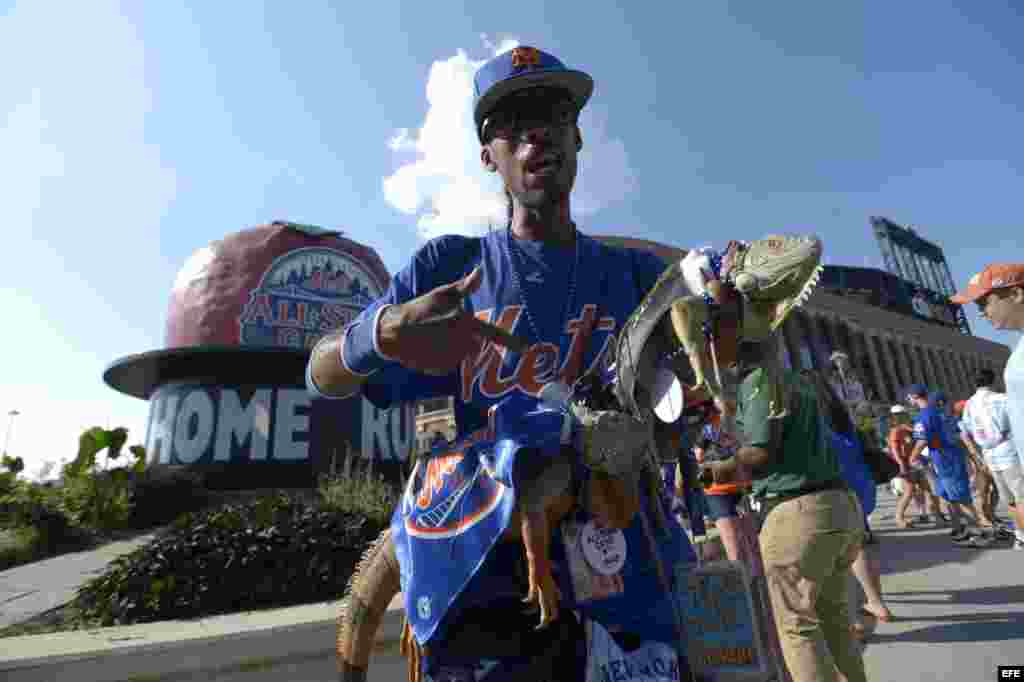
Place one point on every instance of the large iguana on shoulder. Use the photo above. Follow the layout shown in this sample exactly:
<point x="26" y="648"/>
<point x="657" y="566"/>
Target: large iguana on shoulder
<point x="755" y="287"/>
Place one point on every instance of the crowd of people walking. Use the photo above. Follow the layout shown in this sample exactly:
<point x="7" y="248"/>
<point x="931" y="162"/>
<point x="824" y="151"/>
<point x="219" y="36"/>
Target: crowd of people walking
<point x="955" y="461"/>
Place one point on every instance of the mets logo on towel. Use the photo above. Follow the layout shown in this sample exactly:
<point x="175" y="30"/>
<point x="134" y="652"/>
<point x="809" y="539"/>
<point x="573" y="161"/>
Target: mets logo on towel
<point x="448" y="495"/>
<point x="304" y="294"/>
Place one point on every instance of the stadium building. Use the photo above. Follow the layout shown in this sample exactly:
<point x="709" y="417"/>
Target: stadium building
<point x="896" y="325"/>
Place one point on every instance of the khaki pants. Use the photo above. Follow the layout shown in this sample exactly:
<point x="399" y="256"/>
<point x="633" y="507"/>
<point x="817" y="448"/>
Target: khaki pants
<point x="808" y="544"/>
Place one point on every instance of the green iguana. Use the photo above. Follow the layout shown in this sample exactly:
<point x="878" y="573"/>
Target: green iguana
<point x="541" y="505"/>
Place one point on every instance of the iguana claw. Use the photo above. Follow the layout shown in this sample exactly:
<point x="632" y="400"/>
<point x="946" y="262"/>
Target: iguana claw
<point x="544" y="593"/>
<point x="544" y="596"/>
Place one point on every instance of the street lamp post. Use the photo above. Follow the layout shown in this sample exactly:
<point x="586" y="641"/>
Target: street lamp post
<point x="10" y="424"/>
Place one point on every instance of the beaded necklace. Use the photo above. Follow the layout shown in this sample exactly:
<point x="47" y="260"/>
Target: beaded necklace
<point x="514" y="256"/>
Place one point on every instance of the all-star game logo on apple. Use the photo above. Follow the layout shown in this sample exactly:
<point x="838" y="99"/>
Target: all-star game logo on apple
<point x="303" y="295"/>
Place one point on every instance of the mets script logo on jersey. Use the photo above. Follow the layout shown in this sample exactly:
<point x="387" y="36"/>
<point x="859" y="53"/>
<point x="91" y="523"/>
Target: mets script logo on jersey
<point x="540" y="363"/>
<point x="454" y="493"/>
<point x="304" y="294"/>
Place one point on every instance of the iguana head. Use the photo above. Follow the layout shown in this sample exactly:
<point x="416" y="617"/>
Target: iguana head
<point x="756" y="286"/>
<point x="774" y="275"/>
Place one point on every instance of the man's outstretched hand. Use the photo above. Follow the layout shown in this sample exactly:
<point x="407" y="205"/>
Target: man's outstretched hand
<point x="434" y="333"/>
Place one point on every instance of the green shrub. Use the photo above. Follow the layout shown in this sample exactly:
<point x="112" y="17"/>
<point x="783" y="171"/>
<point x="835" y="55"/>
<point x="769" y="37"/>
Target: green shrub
<point x="36" y="523"/>
<point x="358" y="491"/>
<point x="100" y="499"/>
<point x="272" y="552"/>
<point x="17" y="546"/>
<point x="161" y="495"/>
<point x="49" y="533"/>
<point x="56" y="532"/>
<point x="11" y="490"/>
<point x="98" y="502"/>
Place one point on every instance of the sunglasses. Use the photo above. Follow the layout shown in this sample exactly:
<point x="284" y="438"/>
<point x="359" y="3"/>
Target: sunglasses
<point x="983" y="302"/>
<point x="527" y="111"/>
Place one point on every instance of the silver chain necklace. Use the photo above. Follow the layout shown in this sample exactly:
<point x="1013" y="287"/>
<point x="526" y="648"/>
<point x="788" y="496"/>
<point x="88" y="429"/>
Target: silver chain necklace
<point x="571" y="294"/>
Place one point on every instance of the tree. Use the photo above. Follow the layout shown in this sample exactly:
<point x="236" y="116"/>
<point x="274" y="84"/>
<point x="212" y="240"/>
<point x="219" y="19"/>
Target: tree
<point x="100" y="501"/>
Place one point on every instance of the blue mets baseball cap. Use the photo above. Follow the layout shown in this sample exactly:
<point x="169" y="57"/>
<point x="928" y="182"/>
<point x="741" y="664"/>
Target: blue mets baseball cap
<point x="916" y="390"/>
<point x="937" y="397"/>
<point x="520" y="68"/>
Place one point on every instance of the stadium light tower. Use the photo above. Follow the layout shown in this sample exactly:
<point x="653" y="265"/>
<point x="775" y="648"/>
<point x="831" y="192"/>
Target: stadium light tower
<point x="921" y="264"/>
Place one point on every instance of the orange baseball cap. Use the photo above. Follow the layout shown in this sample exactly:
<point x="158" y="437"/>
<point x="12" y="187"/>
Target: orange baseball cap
<point x="995" y="276"/>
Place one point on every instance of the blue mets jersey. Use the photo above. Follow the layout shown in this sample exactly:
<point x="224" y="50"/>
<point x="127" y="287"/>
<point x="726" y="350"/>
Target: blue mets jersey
<point x="939" y="433"/>
<point x="528" y="301"/>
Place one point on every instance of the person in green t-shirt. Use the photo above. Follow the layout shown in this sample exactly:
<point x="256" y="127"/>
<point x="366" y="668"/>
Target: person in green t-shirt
<point x="814" y="525"/>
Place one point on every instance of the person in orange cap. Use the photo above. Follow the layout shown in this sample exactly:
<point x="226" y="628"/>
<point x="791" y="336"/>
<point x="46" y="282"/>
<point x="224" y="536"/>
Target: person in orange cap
<point x="998" y="291"/>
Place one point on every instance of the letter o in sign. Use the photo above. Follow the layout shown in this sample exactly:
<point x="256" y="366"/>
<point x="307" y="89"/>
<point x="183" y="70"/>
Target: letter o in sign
<point x="190" y="446"/>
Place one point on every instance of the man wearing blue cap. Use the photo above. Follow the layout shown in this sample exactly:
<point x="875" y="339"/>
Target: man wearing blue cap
<point x="932" y="429"/>
<point x="482" y="318"/>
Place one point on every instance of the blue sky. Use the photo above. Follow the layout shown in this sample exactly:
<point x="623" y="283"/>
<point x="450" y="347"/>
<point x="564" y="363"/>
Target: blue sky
<point x="133" y="135"/>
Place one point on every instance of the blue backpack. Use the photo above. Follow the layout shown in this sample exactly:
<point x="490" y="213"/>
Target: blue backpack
<point x="854" y="470"/>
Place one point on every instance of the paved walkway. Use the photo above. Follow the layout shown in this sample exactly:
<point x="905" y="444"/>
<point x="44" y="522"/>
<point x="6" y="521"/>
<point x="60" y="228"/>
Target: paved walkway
<point x="960" y="612"/>
<point x="31" y="589"/>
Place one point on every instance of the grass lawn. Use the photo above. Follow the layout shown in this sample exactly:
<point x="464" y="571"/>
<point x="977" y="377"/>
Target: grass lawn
<point x="15" y="546"/>
<point x="60" y="619"/>
<point x="24" y="544"/>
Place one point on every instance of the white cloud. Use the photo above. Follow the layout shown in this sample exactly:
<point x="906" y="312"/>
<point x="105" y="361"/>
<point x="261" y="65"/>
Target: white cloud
<point x="444" y="185"/>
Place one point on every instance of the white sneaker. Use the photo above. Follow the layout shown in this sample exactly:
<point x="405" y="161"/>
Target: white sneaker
<point x="1018" y="544"/>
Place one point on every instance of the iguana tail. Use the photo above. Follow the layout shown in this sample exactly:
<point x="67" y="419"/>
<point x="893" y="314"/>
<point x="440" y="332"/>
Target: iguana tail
<point x="372" y="587"/>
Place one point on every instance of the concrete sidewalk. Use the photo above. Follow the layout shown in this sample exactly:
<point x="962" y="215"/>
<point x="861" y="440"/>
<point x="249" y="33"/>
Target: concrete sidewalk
<point x="204" y="648"/>
<point x="959" y="612"/>
<point x="31" y="589"/>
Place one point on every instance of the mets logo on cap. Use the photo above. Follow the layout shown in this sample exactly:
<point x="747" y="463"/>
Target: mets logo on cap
<point x="525" y="57"/>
